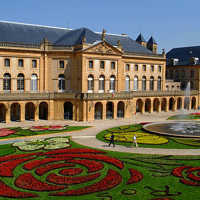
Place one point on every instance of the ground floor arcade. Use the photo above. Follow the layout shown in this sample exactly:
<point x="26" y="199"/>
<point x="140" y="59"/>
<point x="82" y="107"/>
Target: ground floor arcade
<point x="88" y="110"/>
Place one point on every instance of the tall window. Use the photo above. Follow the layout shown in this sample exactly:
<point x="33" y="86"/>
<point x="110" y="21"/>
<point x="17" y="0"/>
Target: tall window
<point x="135" y="83"/>
<point x="20" y="82"/>
<point x="112" y="83"/>
<point x="101" y="83"/>
<point x="34" y="82"/>
<point x="90" y="83"/>
<point x="102" y="64"/>
<point x="61" y="63"/>
<point x="151" y="83"/>
<point x="152" y="68"/>
<point x="7" y="62"/>
<point x="143" y="83"/>
<point x="20" y="62"/>
<point x="159" y="83"/>
<point x="159" y="68"/>
<point x="127" y="67"/>
<point x="34" y="63"/>
<point x="144" y="68"/>
<point x="136" y="67"/>
<point x="192" y="73"/>
<point x="90" y="64"/>
<point x="112" y="65"/>
<point x="6" y="82"/>
<point x="127" y="83"/>
<point x="61" y="82"/>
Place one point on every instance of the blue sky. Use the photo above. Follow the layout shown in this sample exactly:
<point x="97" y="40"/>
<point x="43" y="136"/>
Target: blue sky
<point x="173" y="23"/>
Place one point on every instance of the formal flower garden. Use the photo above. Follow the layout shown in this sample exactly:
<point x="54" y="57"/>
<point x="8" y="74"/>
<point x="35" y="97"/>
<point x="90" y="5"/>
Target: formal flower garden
<point x="36" y="130"/>
<point x="124" y="136"/>
<point x="58" y="168"/>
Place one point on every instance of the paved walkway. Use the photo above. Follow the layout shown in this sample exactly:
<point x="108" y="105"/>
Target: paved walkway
<point x="87" y="137"/>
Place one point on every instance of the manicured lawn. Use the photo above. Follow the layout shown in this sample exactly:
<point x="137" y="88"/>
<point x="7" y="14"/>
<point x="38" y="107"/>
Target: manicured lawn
<point x="79" y="172"/>
<point x="190" y="116"/>
<point x="124" y="136"/>
<point x="36" y="130"/>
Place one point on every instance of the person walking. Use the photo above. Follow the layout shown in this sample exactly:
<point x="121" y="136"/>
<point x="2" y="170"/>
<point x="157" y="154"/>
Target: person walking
<point x="135" y="141"/>
<point x="112" y="140"/>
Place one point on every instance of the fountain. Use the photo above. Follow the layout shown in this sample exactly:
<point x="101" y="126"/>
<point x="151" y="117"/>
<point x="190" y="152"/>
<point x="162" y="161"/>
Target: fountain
<point x="177" y="128"/>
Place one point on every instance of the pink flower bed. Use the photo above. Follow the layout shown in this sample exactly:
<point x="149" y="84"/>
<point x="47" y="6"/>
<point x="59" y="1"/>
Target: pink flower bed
<point x="6" y="131"/>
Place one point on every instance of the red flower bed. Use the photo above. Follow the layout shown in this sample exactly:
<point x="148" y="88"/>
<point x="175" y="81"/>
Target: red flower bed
<point x="70" y="171"/>
<point x="6" y="168"/>
<point x="62" y="159"/>
<point x="53" y="178"/>
<point x="42" y="170"/>
<point x="91" y="165"/>
<point x="27" y="181"/>
<point x="6" y="132"/>
<point x="188" y="175"/>
<point x="136" y="176"/>
<point x="75" y="150"/>
<point x="111" y="180"/>
<point x="48" y="127"/>
<point x="104" y="158"/>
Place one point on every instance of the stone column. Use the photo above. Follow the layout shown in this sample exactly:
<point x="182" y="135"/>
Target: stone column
<point x="22" y="111"/>
<point x="36" y="111"/>
<point x="8" y="113"/>
<point x="51" y="110"/>
<point x="114" y="110"/>
<point x="104" y="110"/>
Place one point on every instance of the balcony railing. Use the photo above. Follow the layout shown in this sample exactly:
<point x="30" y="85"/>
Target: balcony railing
<point x="19" y="96"/>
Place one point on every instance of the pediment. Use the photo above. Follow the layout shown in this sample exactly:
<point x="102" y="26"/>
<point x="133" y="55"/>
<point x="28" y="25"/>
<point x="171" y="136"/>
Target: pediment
<point x="103" y="48"/>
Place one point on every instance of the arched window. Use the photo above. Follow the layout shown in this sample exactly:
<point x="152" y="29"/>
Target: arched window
<point x="112" y="83"/>
<point x="6" y="82"/>
<point x="90" y="83"/>
<point x="34" y="82"/>
<point x="135" y="83"/>
<point x="101" y="83"/>
<point x="20" y="82"/>
<point x="144" y="83"/>
<point x="127" y="83"/>
<point x="151" y="83"/>
<point x="61" y="82"/>
<point x="159" y="83"/>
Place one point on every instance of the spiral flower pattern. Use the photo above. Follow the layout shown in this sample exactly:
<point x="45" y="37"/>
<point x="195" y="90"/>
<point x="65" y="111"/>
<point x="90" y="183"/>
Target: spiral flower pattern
<point x="54" y="171"/>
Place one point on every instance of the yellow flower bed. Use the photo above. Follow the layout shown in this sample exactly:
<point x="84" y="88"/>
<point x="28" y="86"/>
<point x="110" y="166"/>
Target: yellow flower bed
<point x="142" y="138"/>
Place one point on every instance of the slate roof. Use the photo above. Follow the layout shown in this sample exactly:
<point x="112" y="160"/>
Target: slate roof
<point x="184" y="55"/>
<point x="34" y="34"/>
<point x="140" y="38"/>
<point x="152" y="40"/>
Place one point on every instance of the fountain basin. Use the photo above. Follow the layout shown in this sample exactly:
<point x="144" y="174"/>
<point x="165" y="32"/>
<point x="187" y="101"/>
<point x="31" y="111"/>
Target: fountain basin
<point x="176" y="129"/>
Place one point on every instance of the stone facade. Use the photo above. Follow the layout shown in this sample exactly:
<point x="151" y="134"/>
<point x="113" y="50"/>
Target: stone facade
<point x="83" y="82"/>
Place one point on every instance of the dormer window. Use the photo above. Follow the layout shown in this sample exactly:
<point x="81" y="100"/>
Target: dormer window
<point x="195" y="60"/>
<point x="175" y="61"/>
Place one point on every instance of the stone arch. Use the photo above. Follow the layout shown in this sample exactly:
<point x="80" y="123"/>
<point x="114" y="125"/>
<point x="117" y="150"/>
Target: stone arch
<point x="139" y="105"/>
<point x="186" y="103"/>
<point x="15" y="112"/>
<point x="148" y="105"/>
<point x="2" y="113"/>
<point x="164" y="104"/>
<point x="29" y="111"/>
<point x="171" y="103"/>
<point x="179" y="103"/>
<point x="120" y="109"/>
<point x="156" y="104"/>
<point x="68" y="110"/>
<point x="98" y="111"/>
<point x="109" y="110"/>
<point x="193" y="103"/>
<point x="43" y="111"/>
